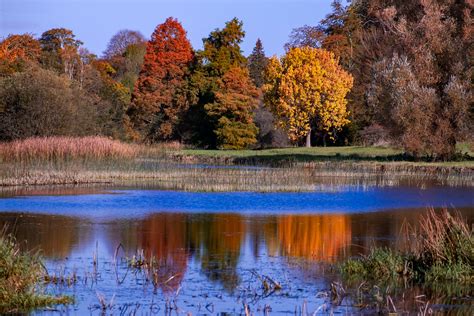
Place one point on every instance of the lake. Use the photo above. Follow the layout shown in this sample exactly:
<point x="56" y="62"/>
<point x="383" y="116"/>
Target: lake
<point x="219" y="252"/>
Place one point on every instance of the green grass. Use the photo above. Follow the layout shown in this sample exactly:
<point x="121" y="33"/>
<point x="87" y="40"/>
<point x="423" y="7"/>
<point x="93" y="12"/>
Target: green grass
<point x="319" y="154"/>
<point x="21" y="274"/>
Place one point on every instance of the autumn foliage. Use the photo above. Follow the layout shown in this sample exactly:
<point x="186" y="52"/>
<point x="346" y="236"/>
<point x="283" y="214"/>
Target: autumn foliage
<point x="307" y="90"/>
<point x="160" y="97"/>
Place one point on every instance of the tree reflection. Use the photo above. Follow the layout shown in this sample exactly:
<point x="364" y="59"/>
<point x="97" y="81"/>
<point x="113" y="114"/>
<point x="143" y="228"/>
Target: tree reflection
<point x="163" y="237"/>
<point x="217" y="240"/>
<point x="55" y="236"/>
<point x="314" y="237"/>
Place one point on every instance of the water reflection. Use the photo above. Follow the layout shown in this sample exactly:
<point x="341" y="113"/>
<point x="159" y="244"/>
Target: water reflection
<point x="220" y="244"/>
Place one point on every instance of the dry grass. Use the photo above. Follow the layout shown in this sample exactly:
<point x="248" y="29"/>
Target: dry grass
<point x="65" y="148"/>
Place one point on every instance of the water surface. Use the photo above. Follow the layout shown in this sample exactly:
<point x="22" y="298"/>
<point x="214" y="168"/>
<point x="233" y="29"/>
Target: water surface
<point x="213" y="250"/>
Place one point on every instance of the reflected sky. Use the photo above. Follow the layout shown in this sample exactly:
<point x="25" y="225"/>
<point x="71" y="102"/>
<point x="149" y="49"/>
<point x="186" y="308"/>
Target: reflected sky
<point x="139" y="203"/>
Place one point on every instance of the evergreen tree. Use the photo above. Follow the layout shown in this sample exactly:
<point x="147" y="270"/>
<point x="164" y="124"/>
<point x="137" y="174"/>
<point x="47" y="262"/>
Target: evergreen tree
<point x="227" y="96"/>
<point x="257" y="63"/>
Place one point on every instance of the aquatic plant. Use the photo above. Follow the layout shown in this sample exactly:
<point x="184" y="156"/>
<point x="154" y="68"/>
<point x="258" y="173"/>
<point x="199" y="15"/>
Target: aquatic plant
<point x="442" y="249"/>
<point x="20" y="277"/>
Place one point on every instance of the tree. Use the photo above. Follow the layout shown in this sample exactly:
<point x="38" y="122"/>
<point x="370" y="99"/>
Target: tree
<point x="222" y="48"/>
<point x="306" y="89"/>
<point x="257" y="62"/>
<point x="38" y="102"/>
<point x="225" y="92"/>
<point x="159" y="100"/>
<point x="16" y="50"/>
<point x="307" y="35"/>
<point x="421" y="88"/>
<point x="232" y="109"/>
<point x="119" y="43"/>
<point x="60" y="51"/>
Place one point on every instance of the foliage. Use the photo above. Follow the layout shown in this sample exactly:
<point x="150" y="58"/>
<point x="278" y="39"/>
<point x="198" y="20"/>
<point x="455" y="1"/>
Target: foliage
<point x="39" y="103"/>
<point x="222" y="48"/>
<point x="435" y="83"/>
<point x="16" y="50"/>
<point x="225" y="92"/>
<point x="119" y="43"/>
<point x="306" y="90"/>
<point x="159" y="99"/>
<point x="20" y="274"/>
<point x="234" y="101"/>
<point x="257" y="62"/>
<point x="427" y="74"/>
<point x="59" y="48"/>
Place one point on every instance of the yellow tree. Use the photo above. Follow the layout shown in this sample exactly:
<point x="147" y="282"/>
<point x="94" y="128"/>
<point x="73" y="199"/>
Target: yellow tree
<point x="307" y="89"/>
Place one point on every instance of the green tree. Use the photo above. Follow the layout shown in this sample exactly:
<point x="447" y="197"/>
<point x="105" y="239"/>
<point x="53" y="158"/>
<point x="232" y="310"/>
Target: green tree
<point x="257" y="62"/>
<point x="60" y="50"/>
<point x="38" y="102"/>
<point x="226" y="95"/>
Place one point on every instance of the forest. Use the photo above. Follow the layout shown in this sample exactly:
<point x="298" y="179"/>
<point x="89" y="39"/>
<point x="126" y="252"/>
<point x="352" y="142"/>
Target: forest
<point x="373" y="72"/>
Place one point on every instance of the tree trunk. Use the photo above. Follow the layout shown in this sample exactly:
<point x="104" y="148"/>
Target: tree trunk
<point x="324" y="140"/>
<point x="308" y="139"/>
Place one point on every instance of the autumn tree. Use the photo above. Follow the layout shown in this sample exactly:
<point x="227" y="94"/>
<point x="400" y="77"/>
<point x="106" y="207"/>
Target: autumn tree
<point x="222" y="48"/>
<point x="60" y="51"/>
<point x="421" y="88"/>
<point x="307" y="90"/>
<point x="226" y="93"/>
<point x="235" y="98"/>
<point x="119" y="43"/>
<point x="159" y="99"/>
<point x="16" y="50"/>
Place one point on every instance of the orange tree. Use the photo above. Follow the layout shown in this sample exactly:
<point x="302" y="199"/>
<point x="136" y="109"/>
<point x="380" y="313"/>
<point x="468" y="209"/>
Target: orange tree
<point x="306" y="89"/>
<point x="159" y="99"/>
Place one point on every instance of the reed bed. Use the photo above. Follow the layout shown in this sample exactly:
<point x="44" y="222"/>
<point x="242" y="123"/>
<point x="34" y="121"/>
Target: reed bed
<point x="216" y="178"/>
<point x="51" y="149"/>
<point x="441" y="249"/>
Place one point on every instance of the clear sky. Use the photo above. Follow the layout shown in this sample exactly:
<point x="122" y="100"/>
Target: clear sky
<point x="95" y="21"/>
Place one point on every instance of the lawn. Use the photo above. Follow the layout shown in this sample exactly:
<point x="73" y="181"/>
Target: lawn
<point x="303" y="154"/>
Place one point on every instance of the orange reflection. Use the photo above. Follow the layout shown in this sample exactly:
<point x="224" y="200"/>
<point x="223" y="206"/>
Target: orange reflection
<point x="315" y="237"/>
<point x="163" y="236"/>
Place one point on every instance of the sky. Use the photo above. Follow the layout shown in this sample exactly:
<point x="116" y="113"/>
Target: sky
<point x="95" y="21"/>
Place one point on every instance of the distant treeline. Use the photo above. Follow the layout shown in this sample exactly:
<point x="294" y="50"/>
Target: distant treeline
<point x="373" y="72"/>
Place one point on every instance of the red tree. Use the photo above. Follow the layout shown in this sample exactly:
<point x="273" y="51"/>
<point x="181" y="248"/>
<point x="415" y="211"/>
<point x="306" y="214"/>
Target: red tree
<point x="159" y="98"/>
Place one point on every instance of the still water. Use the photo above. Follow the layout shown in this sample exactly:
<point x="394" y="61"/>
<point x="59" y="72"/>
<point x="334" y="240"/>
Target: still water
<point x="214" y="250"/>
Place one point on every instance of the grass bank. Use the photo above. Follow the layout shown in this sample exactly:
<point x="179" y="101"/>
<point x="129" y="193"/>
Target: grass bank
<point x="295" y="155"/>
<point x="21" y="274"/>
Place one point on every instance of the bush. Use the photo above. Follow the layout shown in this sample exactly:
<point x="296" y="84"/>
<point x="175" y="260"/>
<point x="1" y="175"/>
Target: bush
<point x="38" y="102"/>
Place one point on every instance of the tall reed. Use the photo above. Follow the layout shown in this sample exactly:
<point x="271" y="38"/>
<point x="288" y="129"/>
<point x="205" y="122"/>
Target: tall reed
<point x="59" y="148"/>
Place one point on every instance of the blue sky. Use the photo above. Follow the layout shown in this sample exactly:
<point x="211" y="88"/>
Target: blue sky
<point x="95" y="21"/>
